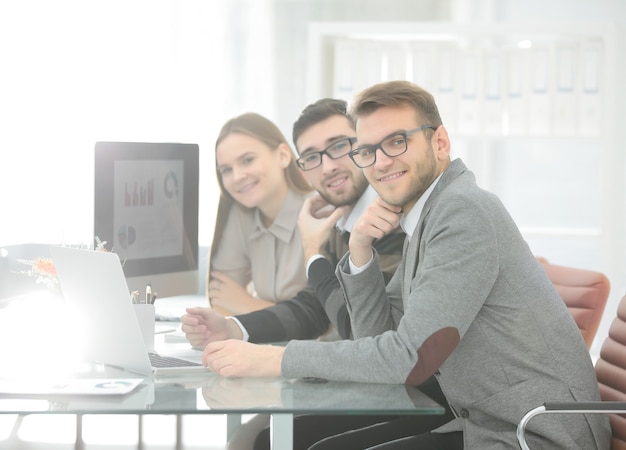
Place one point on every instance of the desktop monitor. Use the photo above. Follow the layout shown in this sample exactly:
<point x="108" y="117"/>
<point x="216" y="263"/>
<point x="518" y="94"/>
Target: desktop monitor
<point x="146" y="209"/>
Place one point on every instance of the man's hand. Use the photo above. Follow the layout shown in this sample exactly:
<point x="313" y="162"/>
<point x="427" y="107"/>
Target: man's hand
<point x="202" y="325"/>
<point x="378" y="220"/>
<point x="315" y="222"/>
<point x="235" y="358"/>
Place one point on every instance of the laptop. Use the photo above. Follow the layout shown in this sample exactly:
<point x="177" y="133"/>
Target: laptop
<point x="95" y="289"/>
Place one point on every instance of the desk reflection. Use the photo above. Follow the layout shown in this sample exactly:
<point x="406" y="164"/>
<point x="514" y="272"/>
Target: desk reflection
<point x="313" y="396"/>
<point x="240" y="394"/>
<point x="212" y="394"/>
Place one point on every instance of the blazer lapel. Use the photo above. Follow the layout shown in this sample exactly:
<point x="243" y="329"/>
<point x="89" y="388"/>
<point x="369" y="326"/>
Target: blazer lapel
<point x="410" y="266"/>
<point x="411" y="251"/>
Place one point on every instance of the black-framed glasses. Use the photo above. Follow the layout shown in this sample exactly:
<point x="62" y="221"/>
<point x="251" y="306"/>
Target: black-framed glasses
<point x="393" y="145"/>
<point x="336" y="150"/>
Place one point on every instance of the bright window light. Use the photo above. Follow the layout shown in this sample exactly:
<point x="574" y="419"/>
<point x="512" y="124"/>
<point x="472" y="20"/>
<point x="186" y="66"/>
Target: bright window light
<point x="79" y="72"/>
<point x="97" y="429"/>
<point x="7" y="422"/>
<point x="159" y="430"/>
<point x="48" y="428"/>
<point x="198" y="432"/>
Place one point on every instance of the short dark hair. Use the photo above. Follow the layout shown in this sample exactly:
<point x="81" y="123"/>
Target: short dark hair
<point x="397" y="93"/>
<point x="318" y="111"/>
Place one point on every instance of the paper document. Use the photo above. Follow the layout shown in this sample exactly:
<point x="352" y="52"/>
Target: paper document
<point x="71" y="386"/>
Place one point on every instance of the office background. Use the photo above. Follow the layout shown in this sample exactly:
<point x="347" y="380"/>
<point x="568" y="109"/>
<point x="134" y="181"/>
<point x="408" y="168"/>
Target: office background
<point x="75" y="72"/>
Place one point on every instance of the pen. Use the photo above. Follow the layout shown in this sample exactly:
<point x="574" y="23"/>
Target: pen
<point x="148" y="294"/>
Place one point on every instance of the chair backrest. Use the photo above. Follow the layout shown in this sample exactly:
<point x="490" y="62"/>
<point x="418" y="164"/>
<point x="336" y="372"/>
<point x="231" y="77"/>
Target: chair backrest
<point x="611" y="372"/>
<point x="585" y="292"/>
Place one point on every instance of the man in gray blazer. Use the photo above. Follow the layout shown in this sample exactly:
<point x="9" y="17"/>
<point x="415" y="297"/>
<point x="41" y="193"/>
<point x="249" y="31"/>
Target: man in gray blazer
<point x="469" y="303"/>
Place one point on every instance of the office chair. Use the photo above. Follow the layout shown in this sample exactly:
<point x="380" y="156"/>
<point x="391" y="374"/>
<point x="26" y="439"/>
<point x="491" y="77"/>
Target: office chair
<point x="611" y="373"/>
<point x="585" y="292"/>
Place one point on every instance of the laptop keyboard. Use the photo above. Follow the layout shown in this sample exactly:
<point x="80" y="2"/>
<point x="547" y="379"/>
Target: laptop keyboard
<point x="169" y="361"/>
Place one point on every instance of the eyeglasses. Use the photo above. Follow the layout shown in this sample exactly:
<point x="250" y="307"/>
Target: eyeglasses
<point x="393" y="145"/>
<point x="335" y="150"/>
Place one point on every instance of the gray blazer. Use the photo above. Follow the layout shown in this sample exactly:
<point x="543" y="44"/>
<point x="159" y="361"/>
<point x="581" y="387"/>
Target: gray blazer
<point x="471" y="305"/>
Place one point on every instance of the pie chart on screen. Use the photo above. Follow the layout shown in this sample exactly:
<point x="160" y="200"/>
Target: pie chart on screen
<point x="170" y="185"/>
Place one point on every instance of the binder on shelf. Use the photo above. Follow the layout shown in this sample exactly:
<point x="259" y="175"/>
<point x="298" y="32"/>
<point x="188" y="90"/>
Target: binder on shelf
<point x="539" y="100"/>
<point x="445" y="89"/>
<point x="396" y="62"/>
<point x="565" y="92"/>
<point x="470" y="107"/>
<point x="370" y="65"/>
<point x="422" y="62"/>
<point x="516" y="93"/>
<point x="590" y="106"/>
<point x="345" y="69"/>
<point x="493" y="102"/>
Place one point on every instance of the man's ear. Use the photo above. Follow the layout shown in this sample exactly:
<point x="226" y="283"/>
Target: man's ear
<point x="441" y="142"/>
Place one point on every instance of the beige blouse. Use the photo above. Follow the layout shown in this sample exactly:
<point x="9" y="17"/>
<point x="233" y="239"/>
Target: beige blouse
<point x="271" y="258"/>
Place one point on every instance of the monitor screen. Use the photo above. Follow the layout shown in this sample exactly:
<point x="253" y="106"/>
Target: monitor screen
<point x="146" y="209"/>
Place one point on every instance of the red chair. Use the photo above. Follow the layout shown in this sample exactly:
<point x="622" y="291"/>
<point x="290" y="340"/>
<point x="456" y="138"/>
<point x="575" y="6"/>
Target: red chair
<point x="611" y="373"/>
<point x="585" y="292"/>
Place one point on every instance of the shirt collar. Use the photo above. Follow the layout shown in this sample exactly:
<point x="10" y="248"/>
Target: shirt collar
<point x="408" y="222"/>
<point x="286" y="221"/>
<point x="347" y="222"/>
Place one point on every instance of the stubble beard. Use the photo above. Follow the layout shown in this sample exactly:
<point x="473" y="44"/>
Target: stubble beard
<point x="348" y="198"/>
<point x="426" y="174"/>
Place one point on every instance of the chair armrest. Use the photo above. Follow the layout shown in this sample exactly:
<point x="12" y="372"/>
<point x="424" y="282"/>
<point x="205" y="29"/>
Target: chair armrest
<point x="567" y="408"/>
<point x="586" y="407"/>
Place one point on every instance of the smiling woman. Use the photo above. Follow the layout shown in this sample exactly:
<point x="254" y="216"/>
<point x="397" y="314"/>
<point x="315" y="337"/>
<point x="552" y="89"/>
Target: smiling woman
<point x="256" y="241"/>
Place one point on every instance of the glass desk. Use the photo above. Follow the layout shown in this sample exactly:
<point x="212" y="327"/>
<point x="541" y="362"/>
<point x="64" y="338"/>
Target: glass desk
<point x="212" y="394"/>
<point x="206" y="393"/>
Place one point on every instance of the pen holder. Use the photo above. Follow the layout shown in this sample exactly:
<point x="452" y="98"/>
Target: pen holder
<point x="145" y="317"/>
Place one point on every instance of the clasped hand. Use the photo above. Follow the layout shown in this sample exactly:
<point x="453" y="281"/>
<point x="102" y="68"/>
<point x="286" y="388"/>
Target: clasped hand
<point x="378" y="220"/>
<point x="316" y="219"/>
